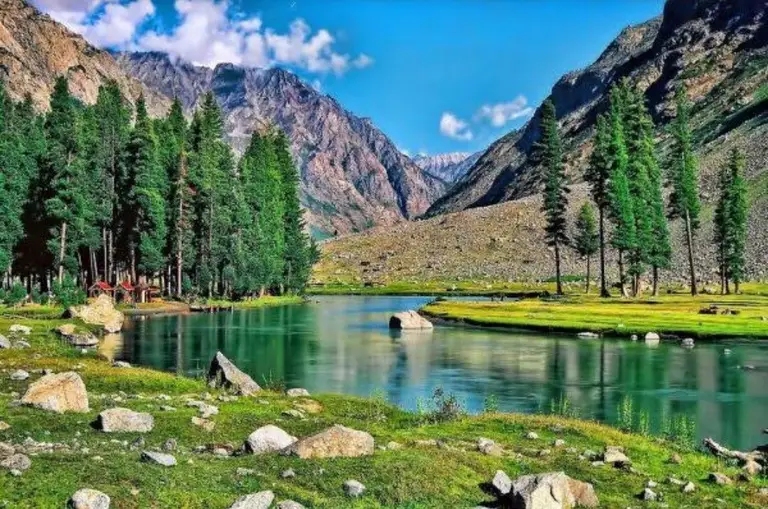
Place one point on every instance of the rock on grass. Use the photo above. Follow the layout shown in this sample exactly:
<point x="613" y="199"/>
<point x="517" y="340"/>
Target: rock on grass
<point x="223" y="373"/>
<point x="63" y="392"/>
<point x="159" y="458"/>
<point x="337" y="441"/>
<point x="260" y="500"/>
<point x="268" y="438"/>
<point x="354" y="488"/>
<point x="89" y="499"/>
<point x="123" y="420"/>
<point x="550" y="490"/>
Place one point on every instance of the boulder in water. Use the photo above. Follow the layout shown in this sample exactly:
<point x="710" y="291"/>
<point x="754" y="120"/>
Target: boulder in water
<point x="99" y="312"/>
<point x="409" y="320"/>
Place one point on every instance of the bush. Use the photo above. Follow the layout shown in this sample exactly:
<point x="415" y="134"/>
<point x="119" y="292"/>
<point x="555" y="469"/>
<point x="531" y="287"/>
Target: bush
<point x="68" y="293"/>
<point x="444" y="408"/>
<point x="15" y="295"/>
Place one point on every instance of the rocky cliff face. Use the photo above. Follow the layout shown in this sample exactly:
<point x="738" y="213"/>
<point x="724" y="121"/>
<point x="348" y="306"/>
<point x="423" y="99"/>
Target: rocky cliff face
<point x="450" y="167"/>
<point x="353" y="177"/>
<point x="35" y="50"/>
<point x="717" y="48"/>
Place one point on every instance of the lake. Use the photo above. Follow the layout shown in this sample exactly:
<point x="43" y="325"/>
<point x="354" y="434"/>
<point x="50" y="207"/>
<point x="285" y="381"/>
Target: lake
<point x="343" y="345"/>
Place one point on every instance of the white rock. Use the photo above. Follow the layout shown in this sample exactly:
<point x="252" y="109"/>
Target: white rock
<point x="89" y="499"/>
<point x="165" y="460"/>
<point x="260" y="500"/>
<point x="289" y="504"/>
<point x="268" y="438"/>
<point x="354" y="488"/>
<point x="4" y="342"/>
<point x="19" y="375"/>
<point x="502" y="483"/>
<point x="409" y="320"/>
<point x="20" y="329"/>
<point x="124" y="420"/>
<point x="652" y="338"/>
<point x="297" y="393"/>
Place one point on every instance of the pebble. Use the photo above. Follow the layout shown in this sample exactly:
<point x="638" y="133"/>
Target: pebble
<point x="288" y="474"/>
<point x="19" y="375"/>
<point x="720" y="479"/>
<point x="532" y="435"/>
<point x="244" y="472"/>
<point x="559" y="443"/>
<point x="354" y="488"/>
<point x="159" y="458"/>
<point x="289" y="504"/>
<point x="170" y="445"/>
<point x="648" y="495"/>
<point x="688" y="487"/>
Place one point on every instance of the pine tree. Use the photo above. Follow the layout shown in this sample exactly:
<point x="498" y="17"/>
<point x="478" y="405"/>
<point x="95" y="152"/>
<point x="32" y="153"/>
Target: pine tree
<point x="147" y="240"/>
<point x="684" y="176"/>
<point x="622" y="211"/>
<point x="598" y="176"/>
<point x="299" y="252"/>
<point x="550" y="155"/>
<point x="737" y="216"/>
<point x="586" y="240"/>
<point x="65" y="205"/>
<point x="721" y="225"/>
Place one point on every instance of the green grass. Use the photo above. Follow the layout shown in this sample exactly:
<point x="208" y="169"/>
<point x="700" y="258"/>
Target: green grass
<point x="412" y="477"/>
<point x="447" y="288"/>
<point x="261" y="302"/>
<point x="670" y="314"/>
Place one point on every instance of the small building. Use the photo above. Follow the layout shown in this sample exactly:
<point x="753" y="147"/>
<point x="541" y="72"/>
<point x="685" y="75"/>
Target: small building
<point x="125" y="291"/>
<point x="101" y="288"/>
<point x="147" y="293"/>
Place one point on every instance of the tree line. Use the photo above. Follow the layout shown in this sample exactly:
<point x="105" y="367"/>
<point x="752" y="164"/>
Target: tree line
<point x="626" y="183"/>
<point x="103" y="192"/>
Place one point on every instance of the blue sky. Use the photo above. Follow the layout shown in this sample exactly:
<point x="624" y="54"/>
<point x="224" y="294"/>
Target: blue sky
<point x="435" y="75"/>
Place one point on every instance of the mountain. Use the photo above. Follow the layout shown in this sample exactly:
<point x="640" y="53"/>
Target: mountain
<point x="449" y="167"/>
<point x="716" y="47"/>
<point x="35" y="50"/>
<point x="353" y="176"/>
<point x="489" y="225"/>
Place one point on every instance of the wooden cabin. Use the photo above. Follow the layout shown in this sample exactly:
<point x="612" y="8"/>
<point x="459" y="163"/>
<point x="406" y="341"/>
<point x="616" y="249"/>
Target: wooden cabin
<point x="101" y="288"/>
<point x="125" y="292"/>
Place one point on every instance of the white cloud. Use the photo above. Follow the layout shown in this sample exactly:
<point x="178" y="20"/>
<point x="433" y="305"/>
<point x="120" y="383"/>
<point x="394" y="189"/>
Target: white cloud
<point x="501" y="113"/>
<point x="453" y="127"/>
<point x="208" y="32"/>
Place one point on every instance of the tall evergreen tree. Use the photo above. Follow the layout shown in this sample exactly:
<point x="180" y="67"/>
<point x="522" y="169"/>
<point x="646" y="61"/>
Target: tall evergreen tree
<point x="622" y="210"/>
<point x="684" y="176"/>
<point x="147" y="240"/>
<point x="730" y="224"/>
<point x="550" y="155"/>
<point x="586" y="240"/>
<point x="598" y="176"/>
<point x="13" y="182"/>
<point x="65" y="206"/>
<point x="721" y="226"/>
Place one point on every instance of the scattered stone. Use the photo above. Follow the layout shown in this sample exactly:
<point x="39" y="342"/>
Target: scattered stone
<point x="89" y="499"/>
<point x="688" y="487"/>
<point x="289" y="504"/>
<point x="4" y="342"/>
<point x="615" y="456"/>
<point x="633" y="337"/>
<point x="309" y="406"/>
<point x="166" y="408"/>
<point x="551" y="490"/>
<point x="675" y="459"/>
<point x="297" y="393"/>
<point x="4" y="426"/>
<point x="121" y="364"/>
<point x="19" y="375"/>
<point x="123" y="420"/>
<point x="590" y="455"/>
<point x="138" y="443"/>
<point x="652" y="338"/>
<point x="16" y="473"/>
<point x="159" y="458"/>
<point x="204" y="423"/>
<point x="597" y="463"/>
<point x="223" y="373"/>
<point x="206" y="410"/>
<point x="502" y="483"/>
<point x="20" y="345"/>
<point x="532" y="435"/>
<point x="268" y="438"/>
<point x="64" y="392"/>
<point x="720" y="479"/>
<point x="687" y="343"/>
<point x="676" y="482"/>
<point x="100" y="312"/>
<point x="426" y="443"/>
<point x="260" y="500"/>
<point x="393" y="446"/>
<point x="648" y="495"/>
<point x="244" y="472"/>
<point x="170" y="445"/>
<point x="409" y="320"/>
<point x="18" y="462"/>
<point x="651" y="484"/>
<point x="545" y="452"/>
<point x="334" y="442"/>
<point x="559" y="443"/>
<point x="751" y="467"/>
<point x="489" y="447"/>
<point x="354" y="488"/>
<point x="20" y="329"/>
<point x="292" y="412"/>
<point x="588" y="335"/>
<point x="69" y="332"/>
<point x="288" y="474"/>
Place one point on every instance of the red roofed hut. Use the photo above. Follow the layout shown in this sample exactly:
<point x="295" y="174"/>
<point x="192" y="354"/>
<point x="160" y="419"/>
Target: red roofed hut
<point x="125" y="291"/>
<point x="101" y="288"/>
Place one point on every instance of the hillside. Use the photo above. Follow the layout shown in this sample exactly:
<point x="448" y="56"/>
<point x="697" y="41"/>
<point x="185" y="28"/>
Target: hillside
<point x="450" y="167"/>
<point x="353" y="176"/>
<point x="718" y="49"/>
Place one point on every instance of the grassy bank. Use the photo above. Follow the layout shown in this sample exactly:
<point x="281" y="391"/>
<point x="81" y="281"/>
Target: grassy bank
<point x="435" y="288"/>
<point x="669" y="314"/>
<point x="418" y="475"/>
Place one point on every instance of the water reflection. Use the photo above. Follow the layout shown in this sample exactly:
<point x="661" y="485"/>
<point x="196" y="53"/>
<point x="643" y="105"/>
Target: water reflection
<point x="342" y="344"/>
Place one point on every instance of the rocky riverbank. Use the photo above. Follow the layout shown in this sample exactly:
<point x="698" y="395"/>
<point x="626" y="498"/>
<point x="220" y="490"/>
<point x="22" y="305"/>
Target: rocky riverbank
<point x="77" y="428"/>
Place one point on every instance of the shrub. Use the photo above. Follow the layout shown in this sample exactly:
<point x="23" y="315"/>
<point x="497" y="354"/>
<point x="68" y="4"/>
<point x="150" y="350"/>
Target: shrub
<point x="15" y="295"/>
<point x="445" y="407"/>
<point x="491" y="404"/>
<point x="68" y="293"/>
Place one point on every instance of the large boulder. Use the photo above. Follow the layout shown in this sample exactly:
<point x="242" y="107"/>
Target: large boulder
<point x="99" y="312"/>
<point x="62" y="392"/>
<point x="268" y="438"/>
<point x="336" y="441"/>
<point x="260" y="500"/>
<point x="409" y="320"/>
<point x="69" y="332"/>
<point x="5" y="343"/>
<point x="552" y="490"/>
<point x="223" y="373"/>
<point x="89" y="499"/>
<point x="123" y="420"/>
